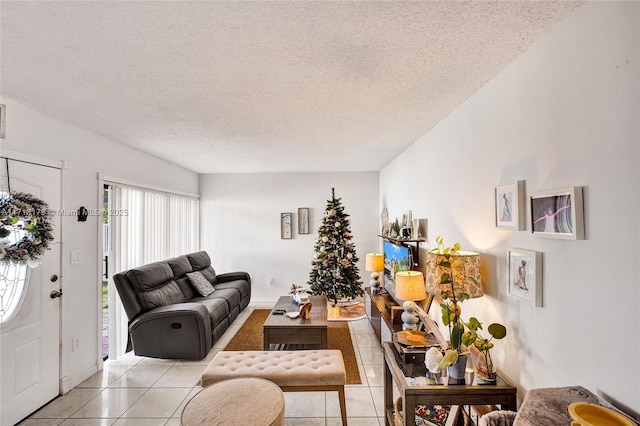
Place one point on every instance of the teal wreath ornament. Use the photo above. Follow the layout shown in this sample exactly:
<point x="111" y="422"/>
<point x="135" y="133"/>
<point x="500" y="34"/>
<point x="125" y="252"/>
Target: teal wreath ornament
<point x="26" y="228"/>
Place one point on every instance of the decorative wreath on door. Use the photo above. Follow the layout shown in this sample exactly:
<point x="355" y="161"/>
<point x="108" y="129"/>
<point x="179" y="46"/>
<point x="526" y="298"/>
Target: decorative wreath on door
<point x="29" y="220"/>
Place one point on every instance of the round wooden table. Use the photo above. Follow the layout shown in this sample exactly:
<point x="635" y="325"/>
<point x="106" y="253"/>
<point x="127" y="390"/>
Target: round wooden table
<point x="245" y="401"/>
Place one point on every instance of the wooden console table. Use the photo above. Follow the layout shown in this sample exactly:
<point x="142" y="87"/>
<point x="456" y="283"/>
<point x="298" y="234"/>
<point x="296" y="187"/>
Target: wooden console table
<point x="501" y="393"/>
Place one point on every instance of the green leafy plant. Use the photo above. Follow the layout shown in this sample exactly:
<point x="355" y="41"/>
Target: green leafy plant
<point x="463" y="334"/>
<point x="450" y="305"/>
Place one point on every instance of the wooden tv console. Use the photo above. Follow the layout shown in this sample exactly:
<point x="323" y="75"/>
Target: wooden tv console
<point x="383" y="313"/>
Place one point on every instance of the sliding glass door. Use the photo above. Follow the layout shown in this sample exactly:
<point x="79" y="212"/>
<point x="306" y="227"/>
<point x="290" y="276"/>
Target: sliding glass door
<point x="143" y="226"/>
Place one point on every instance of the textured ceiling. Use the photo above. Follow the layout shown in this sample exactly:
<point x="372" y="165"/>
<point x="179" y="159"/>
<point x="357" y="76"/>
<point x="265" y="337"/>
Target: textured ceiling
<point x="262" y="86"/>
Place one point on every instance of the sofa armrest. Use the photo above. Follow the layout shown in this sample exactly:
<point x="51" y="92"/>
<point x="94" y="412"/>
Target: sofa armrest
<point x="233" y="276"/>
<point x="181" y="330"/>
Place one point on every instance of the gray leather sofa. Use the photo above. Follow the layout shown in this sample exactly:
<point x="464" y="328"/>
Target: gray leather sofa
<point x="167" y="316"/>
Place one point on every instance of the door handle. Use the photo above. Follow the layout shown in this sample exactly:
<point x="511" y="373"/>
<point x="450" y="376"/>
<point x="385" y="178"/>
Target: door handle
<point x="55" y="293"/>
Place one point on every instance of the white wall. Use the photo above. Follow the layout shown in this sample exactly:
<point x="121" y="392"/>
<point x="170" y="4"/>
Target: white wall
<point x="87" y="155"/>
<point x="240" y="223"/>
<point x="565" y="113"/>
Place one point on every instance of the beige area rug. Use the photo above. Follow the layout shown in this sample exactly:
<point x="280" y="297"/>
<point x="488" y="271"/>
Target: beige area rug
<point x="349" y="311"/>
<point x="249" y="338"/>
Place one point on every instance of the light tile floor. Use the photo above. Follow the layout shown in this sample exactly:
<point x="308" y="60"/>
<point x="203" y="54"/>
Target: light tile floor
<point x="139" y="391"/>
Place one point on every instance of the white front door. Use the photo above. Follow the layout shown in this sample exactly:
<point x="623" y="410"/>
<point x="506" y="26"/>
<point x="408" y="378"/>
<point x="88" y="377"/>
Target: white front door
<point x="30" y="339"/>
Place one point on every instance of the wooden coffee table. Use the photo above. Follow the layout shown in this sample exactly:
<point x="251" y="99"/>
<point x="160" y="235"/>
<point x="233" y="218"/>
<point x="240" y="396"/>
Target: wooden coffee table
<point x="279" y="329"/>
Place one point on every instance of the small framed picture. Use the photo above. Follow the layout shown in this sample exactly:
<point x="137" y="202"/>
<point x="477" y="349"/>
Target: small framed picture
<point x="303" y="220"/>
<point x="525" y="275"/>
<point x="510" y="206"/>
<point x="558" y="213"/>
<point x="286" y="230"/>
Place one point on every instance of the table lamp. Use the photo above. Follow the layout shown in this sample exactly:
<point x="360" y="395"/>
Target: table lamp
<point x="410" y="288"/>
<point x="374" y="264"/>
<point x="465" y="269"/>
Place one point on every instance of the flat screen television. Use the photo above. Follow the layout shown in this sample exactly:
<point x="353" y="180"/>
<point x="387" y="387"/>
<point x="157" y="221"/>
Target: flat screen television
<point x="397" y="258"/>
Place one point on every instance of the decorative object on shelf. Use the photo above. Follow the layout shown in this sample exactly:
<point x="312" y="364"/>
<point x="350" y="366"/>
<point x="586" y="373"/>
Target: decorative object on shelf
<point x="432" y="360"/>
<point x="26" y="228"/>
<point x="334" y="272"/>
<point x="299" y="294"/>
<point x="410" y="288"/>
<point x="485" y="369"/>
<point x="303" y="220"/>
<point x="558" y="213"/>
<point x="405" y="230"/>
<point x="385" y="225"/>
<point x="395" y="229"/>
<point x="423" y="227"/>
<point x="374" y="264"/>
<point x="469" y="375"/>
<point x="415" y="228"/>
<point x="286" y="229"/>
<point x="509" y="199"/>
<point x="525" y="275"/>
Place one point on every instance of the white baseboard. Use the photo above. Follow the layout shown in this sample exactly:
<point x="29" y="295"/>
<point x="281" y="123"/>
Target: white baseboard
<point x="66" y="384"/>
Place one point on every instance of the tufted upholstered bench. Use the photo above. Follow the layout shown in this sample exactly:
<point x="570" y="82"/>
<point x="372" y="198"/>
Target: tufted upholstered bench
<point x="293" y="371"/>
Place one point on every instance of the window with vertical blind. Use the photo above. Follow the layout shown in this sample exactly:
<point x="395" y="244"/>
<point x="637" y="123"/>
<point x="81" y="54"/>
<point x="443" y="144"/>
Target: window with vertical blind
<point x="149" y="226"/>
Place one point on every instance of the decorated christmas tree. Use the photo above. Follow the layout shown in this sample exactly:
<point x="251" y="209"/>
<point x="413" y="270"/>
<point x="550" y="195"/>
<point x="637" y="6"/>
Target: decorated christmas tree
<point x="334" y="273"/>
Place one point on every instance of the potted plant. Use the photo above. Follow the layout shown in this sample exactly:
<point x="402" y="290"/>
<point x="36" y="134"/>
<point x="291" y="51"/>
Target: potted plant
<point x="455" y="356"/>
<point x="463" y="334"/>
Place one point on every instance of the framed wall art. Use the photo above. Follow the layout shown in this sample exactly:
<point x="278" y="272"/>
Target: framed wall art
<point x="286" y="229"/>
<point x="303" y="220"/>
<point x="525" y="275"/>
<point x="509" y="201"/>
<point x="558" y="213"/>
